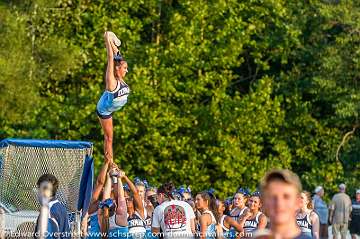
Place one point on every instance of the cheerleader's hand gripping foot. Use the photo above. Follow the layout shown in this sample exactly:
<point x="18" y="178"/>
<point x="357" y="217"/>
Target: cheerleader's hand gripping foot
<point x="115" y="39"/>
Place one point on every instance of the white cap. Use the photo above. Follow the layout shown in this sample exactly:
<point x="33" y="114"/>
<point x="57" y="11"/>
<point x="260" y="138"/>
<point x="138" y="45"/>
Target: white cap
<point x="318" y="189"/>
<point x="358" y="191"/>
<point x="342" y="186"/>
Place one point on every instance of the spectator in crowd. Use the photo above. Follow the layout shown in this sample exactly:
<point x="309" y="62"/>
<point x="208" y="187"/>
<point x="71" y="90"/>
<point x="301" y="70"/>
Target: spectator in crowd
<point x="141" y="187"/>
<point x="254" y="219"/>
<point x="171" y="212"/>
<point x="58" y="222"/>
<point x="306" y="218"/>
<point x="150" y="204"/>
<point x="228" y="206"/>
<point x="150" y="200"/>
<point x="321" y="209"/>
<point x="340" y="209"/>
<point x="239" y="205"/>
<point x="185" y="193"/>
<point x="280" y="190"/>
<point x="175" y="218"/>
<point x="135" y="211"/>
<point x="355" y="216"/>
<point x="206" y="204"/>
<point x="228" y="224"/>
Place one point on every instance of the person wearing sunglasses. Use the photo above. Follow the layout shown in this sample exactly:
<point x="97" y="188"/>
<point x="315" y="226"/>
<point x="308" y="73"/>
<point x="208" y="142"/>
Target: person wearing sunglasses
<point x="150" y="205"/>
<point x="116" y="91"/>
<point x="150" y="200"/>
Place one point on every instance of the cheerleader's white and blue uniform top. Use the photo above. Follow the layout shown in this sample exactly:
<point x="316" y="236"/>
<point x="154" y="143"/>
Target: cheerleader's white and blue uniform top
<point x="111" y="101"/>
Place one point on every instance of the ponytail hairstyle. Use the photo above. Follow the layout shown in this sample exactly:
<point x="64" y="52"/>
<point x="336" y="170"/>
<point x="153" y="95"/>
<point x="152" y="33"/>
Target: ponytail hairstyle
<point x="220" y="202"/>
<point x="256" y="194"/>
<point x="182" y="190"/>
<point x="244" y="191"/>
<point x="118" y="59"/>
<point x="211" y="199"/>
<point x="308" y="197"/>
<point x="107" y="210"/>
<point x="104" y="222"/>
<point x="143" y="183"/>
<point x="228" y="204"/>
<point x="167" y="189"/>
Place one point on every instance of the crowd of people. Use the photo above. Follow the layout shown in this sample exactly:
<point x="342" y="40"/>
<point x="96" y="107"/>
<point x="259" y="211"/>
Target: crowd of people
<point x="125" y="208"/>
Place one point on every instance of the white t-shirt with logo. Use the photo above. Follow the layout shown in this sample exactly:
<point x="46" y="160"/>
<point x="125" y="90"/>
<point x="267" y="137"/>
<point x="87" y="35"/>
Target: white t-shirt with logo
<point x="174" y="218"/>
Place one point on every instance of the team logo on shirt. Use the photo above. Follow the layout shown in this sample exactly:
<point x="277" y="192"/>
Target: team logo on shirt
<point x="175" y="217"/>
<point x="136" y="222"/>
<point x="148" y="222"/>
<point x="124" y="91"/>
<point x="250" y="223"/>
<point x="303" y="223"/>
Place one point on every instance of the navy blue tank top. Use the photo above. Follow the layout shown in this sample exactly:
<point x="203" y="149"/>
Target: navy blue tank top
<point x="121" y="89"/>
<point x="136" y="224"/>
<point x="236" y="216"/>
<point x="305" y="223"/>
<point x="251" y="225"/>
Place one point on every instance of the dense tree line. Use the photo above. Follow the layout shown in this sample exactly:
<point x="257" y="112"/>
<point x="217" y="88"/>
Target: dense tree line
<point x="222" y="90"/>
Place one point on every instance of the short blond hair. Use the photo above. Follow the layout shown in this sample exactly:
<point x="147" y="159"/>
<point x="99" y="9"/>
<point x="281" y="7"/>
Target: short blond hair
<point x="282" y="175"/>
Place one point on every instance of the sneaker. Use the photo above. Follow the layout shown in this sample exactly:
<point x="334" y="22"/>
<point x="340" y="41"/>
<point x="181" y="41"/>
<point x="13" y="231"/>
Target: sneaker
<point x="114" y="38"/>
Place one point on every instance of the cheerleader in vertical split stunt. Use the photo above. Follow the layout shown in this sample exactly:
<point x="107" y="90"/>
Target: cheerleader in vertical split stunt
<point x="116" y="91"/>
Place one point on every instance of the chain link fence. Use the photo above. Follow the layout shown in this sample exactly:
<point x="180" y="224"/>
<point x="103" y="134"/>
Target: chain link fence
<point x="20" y="168"/>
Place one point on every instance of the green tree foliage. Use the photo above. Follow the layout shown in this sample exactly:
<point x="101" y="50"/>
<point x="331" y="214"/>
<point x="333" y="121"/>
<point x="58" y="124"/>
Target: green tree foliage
<point x="222" y="91"/>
